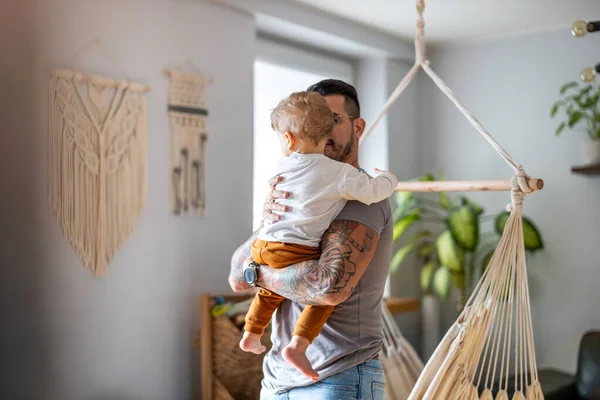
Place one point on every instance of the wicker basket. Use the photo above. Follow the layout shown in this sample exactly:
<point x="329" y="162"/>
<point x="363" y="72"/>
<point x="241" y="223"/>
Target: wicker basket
<point x="233" y="373"/>
<point x="220" y="392"/>
<point x="238" y="371"/>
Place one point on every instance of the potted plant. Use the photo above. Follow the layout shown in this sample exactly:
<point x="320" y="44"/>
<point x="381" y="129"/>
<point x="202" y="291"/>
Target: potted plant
<point x="581" y="107"/>
<point x="457" y="250"/>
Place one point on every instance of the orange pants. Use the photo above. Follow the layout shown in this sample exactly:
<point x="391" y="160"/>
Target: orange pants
<point x="280" y="255"/>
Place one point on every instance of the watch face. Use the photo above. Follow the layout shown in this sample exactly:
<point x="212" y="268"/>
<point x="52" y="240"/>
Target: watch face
<point x="249" y="275"/>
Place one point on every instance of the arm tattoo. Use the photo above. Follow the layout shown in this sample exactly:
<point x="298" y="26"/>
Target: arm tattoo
<point x="239" y="257"/>
<point x="310" y="281"/>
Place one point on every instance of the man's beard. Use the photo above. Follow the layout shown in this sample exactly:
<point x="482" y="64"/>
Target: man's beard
<point x="340" y="153"/>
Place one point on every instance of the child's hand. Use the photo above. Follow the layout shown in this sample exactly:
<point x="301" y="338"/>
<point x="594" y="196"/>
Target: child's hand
<point x="389" y="174"/>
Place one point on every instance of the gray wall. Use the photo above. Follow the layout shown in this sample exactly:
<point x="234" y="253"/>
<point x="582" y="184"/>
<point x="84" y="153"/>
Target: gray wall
<point x="129" y="335"/>
<point x="510" y="86"/>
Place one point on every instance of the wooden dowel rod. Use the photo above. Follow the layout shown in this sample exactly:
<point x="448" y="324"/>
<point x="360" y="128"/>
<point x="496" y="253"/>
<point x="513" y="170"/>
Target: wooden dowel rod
<point x="463" y="186"/>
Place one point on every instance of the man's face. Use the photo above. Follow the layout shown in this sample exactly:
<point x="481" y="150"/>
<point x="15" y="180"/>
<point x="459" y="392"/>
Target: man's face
<point x="343" y="143"/>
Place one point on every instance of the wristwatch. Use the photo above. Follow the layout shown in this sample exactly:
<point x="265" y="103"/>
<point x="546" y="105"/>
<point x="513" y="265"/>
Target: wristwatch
<point x="251" y="273"/>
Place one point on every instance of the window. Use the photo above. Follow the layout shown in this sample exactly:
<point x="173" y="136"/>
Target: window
<point x="279" y="71"/>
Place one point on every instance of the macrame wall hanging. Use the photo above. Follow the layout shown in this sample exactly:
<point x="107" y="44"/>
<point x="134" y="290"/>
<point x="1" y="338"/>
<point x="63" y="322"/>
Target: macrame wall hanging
<point x="187" y="120"/>
<point x="97" y="161"/>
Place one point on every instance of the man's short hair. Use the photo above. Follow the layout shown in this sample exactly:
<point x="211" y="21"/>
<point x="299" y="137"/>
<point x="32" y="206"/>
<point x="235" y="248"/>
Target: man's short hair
<point x="328" y="87"/>
<point x="305" y="114"/>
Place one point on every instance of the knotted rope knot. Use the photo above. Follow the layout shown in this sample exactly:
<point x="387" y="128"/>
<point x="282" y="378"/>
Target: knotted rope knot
<point x="420" y="19"/>
<point x="522" y="179"/>
<point x="517" y="185"/>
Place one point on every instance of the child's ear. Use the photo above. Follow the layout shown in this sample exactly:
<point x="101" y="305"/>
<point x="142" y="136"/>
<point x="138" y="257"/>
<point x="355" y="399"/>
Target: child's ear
<point x="291" y="140"/>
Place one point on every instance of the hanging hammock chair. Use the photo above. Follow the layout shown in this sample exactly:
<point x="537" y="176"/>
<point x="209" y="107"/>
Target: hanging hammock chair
<point x="401" y="363"/>
<point x="490" y="347"/>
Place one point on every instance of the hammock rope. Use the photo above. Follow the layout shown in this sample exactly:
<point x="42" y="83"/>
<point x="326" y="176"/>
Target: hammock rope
<point x="491" y="344"/>
<point x="525" y="182"/>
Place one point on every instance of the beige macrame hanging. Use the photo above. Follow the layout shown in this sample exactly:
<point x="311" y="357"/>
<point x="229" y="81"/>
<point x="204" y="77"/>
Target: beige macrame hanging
<point x="490" y="347"/>
<point x="97" y="161"/>
<point x="187" y="118"/>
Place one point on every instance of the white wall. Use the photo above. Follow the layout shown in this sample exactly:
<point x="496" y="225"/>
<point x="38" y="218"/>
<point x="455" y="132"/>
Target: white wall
<point x="510" y="86"/>
<point x="129" y="335"/>
<point x="371" y="85"/>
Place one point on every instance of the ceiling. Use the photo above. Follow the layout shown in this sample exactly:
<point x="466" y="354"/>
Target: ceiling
<point x="463" y="20"/>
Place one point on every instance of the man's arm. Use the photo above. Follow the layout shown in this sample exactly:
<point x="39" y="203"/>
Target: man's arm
<point x="238" y="260"/>
<point x="271" y="209"/>
<point x="347" y="249"/>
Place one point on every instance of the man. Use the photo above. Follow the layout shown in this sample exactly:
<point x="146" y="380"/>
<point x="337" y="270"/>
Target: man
<point x="351" y="275"/>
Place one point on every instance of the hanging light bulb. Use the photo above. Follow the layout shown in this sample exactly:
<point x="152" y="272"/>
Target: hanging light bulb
<point x="589" y="73"/>
<point x="581" y="28"/>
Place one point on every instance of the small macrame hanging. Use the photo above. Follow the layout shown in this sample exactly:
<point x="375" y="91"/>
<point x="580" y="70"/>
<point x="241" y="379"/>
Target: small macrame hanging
<point x="97" y="161"/>
<point x="187" y="119"/>
<point x="489" y="350"/>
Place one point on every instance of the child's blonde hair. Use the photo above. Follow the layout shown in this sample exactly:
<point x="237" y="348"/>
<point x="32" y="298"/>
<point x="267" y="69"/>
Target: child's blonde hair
<point x="305" y="114"/>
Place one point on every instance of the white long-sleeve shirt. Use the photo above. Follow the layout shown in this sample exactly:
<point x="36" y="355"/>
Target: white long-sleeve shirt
<point x="319" y="188"/>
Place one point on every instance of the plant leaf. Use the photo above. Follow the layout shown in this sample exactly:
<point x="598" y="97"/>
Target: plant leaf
<point x="416" y="237"/>
<point x="589" y="102"/>
<point x="500" y="222"/>
<point x="458" y="279"/>
<point x="531" y="234"/>
<point x="445" y="201"/>
<point x="533" y="238"/>
<point x="575" y="118"/>
<point x="486" y="260"/>
<point x="567" y="86"/>
<point x="426" y="249"/>
<point x="400" y="256"/>
<point x="464" y="225"/>
<point x="560" y="128"/>
<point x="449" y="253"/>
<point x="427" y="275"/>
<point x="476" y="207"/>
<point x="404" y="200"/>
<point x="426" y="178"/>
<point x="554" y="109"/>
<point x="405" y="222"/>
<point x="441" y="282"/>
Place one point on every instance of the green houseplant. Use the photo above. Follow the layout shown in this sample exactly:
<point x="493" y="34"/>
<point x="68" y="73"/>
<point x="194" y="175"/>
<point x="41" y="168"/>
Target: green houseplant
<point x="581" y="110"/>
<point x="457" y="250"/>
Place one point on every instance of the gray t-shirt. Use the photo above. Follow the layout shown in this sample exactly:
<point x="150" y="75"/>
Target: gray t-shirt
<point x="353" y="333"/>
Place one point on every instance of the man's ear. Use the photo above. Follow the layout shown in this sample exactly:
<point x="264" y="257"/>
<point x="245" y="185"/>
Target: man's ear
<point x="291" y="140"/>
<point x="359" y="127"/>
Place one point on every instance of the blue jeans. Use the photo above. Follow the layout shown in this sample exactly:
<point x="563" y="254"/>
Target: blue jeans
<point x="363" y="382"/>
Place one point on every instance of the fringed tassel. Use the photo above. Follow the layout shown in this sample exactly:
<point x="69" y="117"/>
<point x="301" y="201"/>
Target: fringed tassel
<point x="97" y="172"/>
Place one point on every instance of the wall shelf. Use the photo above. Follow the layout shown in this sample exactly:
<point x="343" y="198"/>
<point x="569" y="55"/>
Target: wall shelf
<point x="586" y="169"/>
<point x="400" y="305"/>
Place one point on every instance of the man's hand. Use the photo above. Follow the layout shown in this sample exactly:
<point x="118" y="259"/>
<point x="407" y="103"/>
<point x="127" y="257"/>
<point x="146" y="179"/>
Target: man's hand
<point x="242" y="256"/>
<point x="271" y="203"/>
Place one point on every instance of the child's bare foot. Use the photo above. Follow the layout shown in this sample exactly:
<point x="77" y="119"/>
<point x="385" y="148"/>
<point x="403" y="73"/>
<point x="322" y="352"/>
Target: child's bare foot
<point x="295" y="354"/>
<point x="251" y="343"/>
